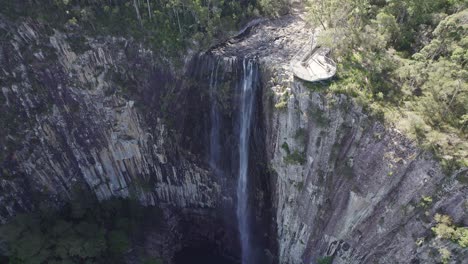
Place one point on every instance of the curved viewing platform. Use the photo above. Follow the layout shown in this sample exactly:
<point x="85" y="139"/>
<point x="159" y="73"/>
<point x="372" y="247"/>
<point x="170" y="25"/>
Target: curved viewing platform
<point x="312" y="64"/>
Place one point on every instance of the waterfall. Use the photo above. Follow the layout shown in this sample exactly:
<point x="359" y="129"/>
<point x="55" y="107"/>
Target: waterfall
<point x="215" y="151"/>
<point x="246" y="100"/>
<point x="246" y="106"/>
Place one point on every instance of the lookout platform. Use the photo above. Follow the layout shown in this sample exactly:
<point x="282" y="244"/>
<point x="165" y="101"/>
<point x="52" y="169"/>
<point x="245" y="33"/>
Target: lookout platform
<point x="312" y="64"/>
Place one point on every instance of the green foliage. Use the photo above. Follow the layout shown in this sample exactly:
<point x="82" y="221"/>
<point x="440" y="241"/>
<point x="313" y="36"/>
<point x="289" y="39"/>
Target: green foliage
<point x="445" y="255"/>
<point x="273" y="8"/>
<point x="325" y="260"/>
<point x="405" y="62"/>
<point x="461" y="236"/>
<point x="300" y="185"/>
<point x="285" y="147"/>
<point x="300" y="136"/>
<point x="118" y="242"/>
<point x="168" y="26"/>
<point x="318" y="116"/>
<point x="295" y="157"/>
<point x="445" y="229"/>
<point x="283" y="101"/>
<point x="426" y="201"/>
<point x="281" y="104"/>
<point x="152" y="261"/>
<point x="83" y="231"/>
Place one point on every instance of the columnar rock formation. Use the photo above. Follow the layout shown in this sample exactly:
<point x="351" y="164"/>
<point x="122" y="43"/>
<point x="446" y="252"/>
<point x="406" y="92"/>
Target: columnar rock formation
<point x="326" y="180"/>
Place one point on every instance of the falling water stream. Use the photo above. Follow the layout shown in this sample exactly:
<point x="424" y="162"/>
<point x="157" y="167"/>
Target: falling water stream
<point x="246" y="104"/>
<point x="245" y="115"/>
<point x="215" y="151"/>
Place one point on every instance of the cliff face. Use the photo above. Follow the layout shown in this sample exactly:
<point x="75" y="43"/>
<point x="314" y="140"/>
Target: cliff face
<point x="108" y="114"/>
<point x="358" y="193"/>
<point x="78" y="122"/>
<point x="344" y="186"/>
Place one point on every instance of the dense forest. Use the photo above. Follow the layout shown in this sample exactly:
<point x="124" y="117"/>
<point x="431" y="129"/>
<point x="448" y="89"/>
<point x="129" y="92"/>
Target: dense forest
<point x="82" y="231"/>
<point x="168" y="26"/>
<point x="406" y="62"/>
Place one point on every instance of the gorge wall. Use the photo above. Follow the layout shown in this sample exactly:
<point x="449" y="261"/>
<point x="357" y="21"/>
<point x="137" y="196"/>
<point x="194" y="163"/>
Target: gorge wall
<point x="357" y="194"/>
<point x="345" y="186"/>
<point x="109" y="114"/>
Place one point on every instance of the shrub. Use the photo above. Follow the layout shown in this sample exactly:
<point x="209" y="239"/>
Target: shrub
<point x="384" y="65"/>
<point x="281" y="105"/>
<point x="295" y="157"/>
<point x="325" y="260"/>
<point x="445" y="229"/>
<point x="85" y="231"/>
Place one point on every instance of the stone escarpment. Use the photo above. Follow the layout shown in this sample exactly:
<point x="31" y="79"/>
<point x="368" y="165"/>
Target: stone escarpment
<point x="78" y="122"/>
<point x="356" y="191"/>
<point x="325" y="179"/>
<point x="105" y="113"/>
<point x="345" y="186"/>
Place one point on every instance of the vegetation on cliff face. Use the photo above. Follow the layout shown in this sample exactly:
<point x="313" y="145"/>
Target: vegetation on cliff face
<point x="168" y="26"/>
<point x="406" y="62"/>
<point x="445" y="229"/>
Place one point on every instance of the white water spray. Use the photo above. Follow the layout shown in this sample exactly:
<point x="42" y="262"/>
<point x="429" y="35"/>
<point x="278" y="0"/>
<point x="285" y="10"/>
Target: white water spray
<point x="215" y="151"/>
<point x="246" y="105"/>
